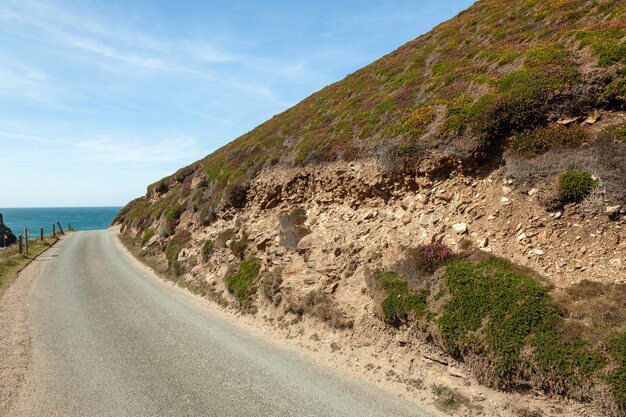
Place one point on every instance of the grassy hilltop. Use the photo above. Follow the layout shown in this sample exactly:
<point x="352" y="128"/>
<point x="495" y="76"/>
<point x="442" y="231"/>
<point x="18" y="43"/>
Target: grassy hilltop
<point x="500" y="68"/>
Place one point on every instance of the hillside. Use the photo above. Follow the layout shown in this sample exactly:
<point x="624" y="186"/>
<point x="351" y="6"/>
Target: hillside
<point x="473" y="177"/>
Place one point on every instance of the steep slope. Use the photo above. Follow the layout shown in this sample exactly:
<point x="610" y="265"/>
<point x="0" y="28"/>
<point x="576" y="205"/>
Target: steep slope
<point x="377" y="204"/>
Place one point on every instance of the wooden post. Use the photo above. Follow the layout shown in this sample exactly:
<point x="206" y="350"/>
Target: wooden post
<point x="54" y="231"/>
<point x="21" y="243"/>
<point x="41" y="233"/>
<point x="26" y="238"/>
<point x="60" y="228"/>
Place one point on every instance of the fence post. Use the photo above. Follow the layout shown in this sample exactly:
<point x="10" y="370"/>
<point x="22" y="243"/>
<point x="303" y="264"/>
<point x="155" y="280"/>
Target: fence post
<point x="60" y="228"/>
<point x="26" y="238"/>
<point x="54" y="231"/>
<point x="41" y="233"/>
<point x="20" y="244"/>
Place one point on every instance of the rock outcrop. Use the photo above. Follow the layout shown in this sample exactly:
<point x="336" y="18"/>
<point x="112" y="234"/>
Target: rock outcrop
<point x="7" y="237"/>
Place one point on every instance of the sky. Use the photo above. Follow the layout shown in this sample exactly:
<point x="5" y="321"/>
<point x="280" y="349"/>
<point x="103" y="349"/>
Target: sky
<point x="99" y="98"/>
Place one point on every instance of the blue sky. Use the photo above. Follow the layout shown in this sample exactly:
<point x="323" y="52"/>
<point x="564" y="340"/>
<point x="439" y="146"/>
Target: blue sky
<point x="100" y="98"/>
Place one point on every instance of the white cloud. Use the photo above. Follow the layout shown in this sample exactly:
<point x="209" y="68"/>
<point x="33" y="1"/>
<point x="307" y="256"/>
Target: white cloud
<point x="121" y="150"/>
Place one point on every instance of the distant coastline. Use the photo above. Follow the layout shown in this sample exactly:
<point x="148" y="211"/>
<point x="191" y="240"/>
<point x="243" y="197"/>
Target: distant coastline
<point x="81" y="218"/>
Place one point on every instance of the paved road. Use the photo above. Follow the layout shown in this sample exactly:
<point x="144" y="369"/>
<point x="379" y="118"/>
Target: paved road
<point x="108" y="339"/>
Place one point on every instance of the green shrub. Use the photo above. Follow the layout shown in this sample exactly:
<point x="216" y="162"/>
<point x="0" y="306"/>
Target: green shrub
<point x="175" y="245"/>
<point x="240" y="282"/>
<point x="607" y="43"/>
<point x="535" y="142"/>
<point x="576" y="185"/>
<point x="147" y="235"/>
<point x="617" y="378"/>
<point x="504" y="315"/>
<point x="400" y="301"/>
<point x="207" y="249"/>
<point x="174" y="212"/>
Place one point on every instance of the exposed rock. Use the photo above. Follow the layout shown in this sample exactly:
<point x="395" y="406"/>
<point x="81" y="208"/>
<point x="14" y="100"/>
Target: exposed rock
<point x="460" y="228"/>
<point x="6" y="235"/>
<point x="592" y="118"/>
<point x="567" y="121"/>
<point x="539" y="252"/>
<point x="611" y="211"/>
<point x="505" y="201"/>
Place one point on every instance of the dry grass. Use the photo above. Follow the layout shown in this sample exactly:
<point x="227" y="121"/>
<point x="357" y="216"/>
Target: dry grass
<point x="11" y="262"/>
<point x="320" y="305"/>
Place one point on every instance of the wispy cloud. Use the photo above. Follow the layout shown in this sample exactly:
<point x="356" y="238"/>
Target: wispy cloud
<point x="121" y="150"/>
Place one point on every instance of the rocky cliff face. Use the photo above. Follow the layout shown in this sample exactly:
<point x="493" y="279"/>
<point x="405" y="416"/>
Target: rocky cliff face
<point x="458" y="202"/>
<point x="5" y="231"/>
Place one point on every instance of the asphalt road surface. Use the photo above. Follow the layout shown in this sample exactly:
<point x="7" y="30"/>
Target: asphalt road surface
<point x="109" y="339"/>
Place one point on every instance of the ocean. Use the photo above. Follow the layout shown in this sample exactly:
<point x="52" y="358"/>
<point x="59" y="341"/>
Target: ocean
<point x="81" y="218"/>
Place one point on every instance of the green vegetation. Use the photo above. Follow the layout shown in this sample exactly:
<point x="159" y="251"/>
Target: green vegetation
<point x="510" y="330"/>
<point x="503" y="314"/>
<point x="576" y="185"/>
<point x="400" y="301"/>
<point x="147" y="235"/>
<point x="207" y="249"/>
<point x="240" y="282"/>
<point x="617" y="378"/>
<point x="11" y="262"/>
<point x="540" y="140"/>
<point x="174" y="212"/>
<point x="175" y="245"/>
<point x="606" y="42"/>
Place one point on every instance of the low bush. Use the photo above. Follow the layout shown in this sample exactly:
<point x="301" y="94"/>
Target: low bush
<point x="207" y="249"/>
<point x="400" y="301"/>
<point x="147" y="235"/>
<point x="535" y="142"/>
<point x="174" y="212"/>
<point x="500" y="313"/>
<point x="318" y="304"/>
<point x="575" y="185"/>
<point x="240" y="283"/>
<point x="175" y="245"/>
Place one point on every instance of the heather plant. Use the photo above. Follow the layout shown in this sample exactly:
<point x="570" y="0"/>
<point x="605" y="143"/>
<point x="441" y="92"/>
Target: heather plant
<point x="432" y="255"/>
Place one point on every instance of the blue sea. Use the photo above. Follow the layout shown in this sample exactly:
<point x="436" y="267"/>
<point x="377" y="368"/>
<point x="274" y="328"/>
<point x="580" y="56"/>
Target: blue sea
<point x="81" y="218"/>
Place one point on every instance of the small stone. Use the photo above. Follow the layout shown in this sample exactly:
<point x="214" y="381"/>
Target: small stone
<point x="539" y="252"/>
<point x="455" y="373"/>
<point x="521" y="236"/>
<point x="592" y="118"/>
<point x="612" y="210"/>
<point x="491" y="217"/>
<point x="567" y="121"/>
<point x="459" y="228"/>
<point x="532" y="192"/>
<point x="506" y="190"/>
<point x="505" y="201"/>
<point x="483" y="243"/>
<point x="558" y="214"/>
<point x="583" y="250"/>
